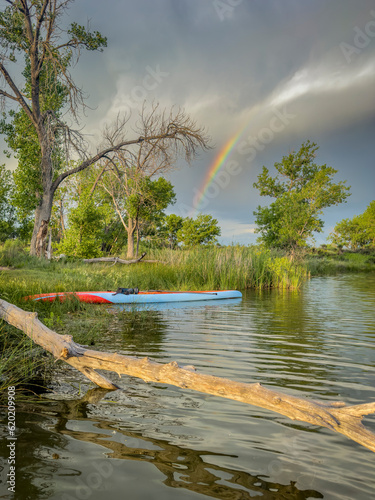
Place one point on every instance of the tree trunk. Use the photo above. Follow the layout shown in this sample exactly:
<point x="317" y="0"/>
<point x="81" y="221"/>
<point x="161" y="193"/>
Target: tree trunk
<point x="49" y="247"/>
<point x="62" y="222"/>
<point x="42" y="218"/>
<point x="131" y="231"/>
<point x="137" y="250"/>
<point x="44" y="210"/>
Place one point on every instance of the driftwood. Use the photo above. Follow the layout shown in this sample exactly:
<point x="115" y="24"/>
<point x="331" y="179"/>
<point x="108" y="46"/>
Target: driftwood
<point x="336" y="416"/>
<point x="114" y="259"/>
<point x="121" y="261"/>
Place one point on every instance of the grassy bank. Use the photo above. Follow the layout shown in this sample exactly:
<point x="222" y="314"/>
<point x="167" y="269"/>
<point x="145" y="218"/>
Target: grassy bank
<point x="325" y="261"/>
<point x="234" y="267"/>
<point x="203" y="269"/>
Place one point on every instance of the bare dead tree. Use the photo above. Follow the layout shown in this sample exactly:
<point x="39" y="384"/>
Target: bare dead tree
<point x="33" y="30"/>
<point x="164" y="136"/>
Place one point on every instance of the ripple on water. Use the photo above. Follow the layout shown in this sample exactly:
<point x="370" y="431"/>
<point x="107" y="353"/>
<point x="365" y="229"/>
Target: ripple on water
<point x="318" y="343"/>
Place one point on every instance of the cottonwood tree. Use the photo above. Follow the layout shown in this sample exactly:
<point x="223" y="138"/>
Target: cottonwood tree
<point x="147" y="207"/>
<point x="138" y="200"/>
<point x="302" y="189"/>
<point x="170" y="226"/>
<point x="203" y="230"/>
<point x="126" y="177"/>
<point x="32" y="29"/>
<point x="358" y="232"/>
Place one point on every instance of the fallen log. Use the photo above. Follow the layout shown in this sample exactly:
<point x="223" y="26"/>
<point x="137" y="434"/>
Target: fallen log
<point x="336" y="416"/>
<point x="114" y="259"/>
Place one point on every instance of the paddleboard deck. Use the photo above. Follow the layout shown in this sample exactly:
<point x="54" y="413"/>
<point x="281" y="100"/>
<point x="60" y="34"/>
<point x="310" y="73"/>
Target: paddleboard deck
<point x="111" y="297"/>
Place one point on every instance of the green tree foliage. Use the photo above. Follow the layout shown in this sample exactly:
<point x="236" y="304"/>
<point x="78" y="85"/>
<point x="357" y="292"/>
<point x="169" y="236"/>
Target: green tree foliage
<point x="85" y="201"/>
<point x="85" y="228"/>
<point x="77" y="207"/>
<point x="29" y="32"/>
<point x="22" y="139"/>
<point x="146" y="204"/>
<point x="148" y="199"/>
<point x="169" y="228"/>
<point x="200" y="231"/>
<point x="302" y="189"/>
<point x="358" y="232"/>
<point x="7" y="215"/>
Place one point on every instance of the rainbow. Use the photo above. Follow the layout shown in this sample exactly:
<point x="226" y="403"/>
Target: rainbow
<point x="217" y="165"/>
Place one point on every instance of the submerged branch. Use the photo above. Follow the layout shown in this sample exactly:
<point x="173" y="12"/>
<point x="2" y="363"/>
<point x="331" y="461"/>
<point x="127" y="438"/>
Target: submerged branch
<point x="336" y="416"/>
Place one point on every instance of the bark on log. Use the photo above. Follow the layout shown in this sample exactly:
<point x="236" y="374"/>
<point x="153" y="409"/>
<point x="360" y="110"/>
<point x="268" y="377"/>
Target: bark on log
<point x="336" y="416"/>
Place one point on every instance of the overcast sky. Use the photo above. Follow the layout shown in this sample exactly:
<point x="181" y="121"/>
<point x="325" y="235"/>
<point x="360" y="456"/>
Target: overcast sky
<point x="283" y="71"/>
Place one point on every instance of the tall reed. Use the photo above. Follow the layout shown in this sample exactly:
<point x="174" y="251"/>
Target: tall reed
<point x="234" y="267"/>
<point x="237" y="267"/>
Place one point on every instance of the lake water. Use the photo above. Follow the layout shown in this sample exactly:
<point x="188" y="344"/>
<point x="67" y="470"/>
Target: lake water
<point x="153" y="441"/>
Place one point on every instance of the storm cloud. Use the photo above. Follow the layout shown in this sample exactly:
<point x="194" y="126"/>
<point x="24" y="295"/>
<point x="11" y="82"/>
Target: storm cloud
<point x="237" y="65"/>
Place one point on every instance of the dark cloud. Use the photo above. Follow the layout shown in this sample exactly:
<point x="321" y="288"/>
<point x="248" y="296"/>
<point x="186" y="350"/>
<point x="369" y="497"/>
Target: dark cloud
<point x="235" y="67"/>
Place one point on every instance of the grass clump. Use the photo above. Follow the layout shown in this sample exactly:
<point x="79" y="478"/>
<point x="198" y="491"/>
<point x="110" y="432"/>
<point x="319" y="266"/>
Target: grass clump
<point x="234" y="267"/>
<point x="22" y="364"/>
<point x="331" y="261"/>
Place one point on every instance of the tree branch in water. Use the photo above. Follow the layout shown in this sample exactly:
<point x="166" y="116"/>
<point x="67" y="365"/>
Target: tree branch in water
<point x="336" y="416"/>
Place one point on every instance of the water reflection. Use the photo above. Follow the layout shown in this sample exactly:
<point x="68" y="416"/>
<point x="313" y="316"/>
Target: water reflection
<point x="169" y="306"/>
<point x="150" y="439"/>
<point x="36" y="465"/>
<point x="287" y="339"/>
<point x="135" y="330"/>
<point x="190" y="469"/>
<point x="315" y="340"/>
<point x="182" y="467"/>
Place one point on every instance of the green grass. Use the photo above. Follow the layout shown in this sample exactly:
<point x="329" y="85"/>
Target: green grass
<point x="213" y="268"/>
<point x="330" y="262"/>
<point x="22" y="363"/>
<point x="234" y="267"/>
<point x="203" y="269"/>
